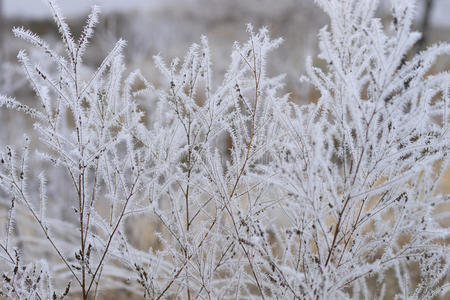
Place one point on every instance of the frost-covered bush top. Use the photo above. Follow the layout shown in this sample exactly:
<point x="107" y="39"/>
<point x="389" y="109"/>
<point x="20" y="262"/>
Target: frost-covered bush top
<point x="245" y="193"/>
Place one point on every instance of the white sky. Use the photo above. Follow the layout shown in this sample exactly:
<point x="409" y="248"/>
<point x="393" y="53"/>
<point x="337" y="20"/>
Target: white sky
<point x="37" y="8"/>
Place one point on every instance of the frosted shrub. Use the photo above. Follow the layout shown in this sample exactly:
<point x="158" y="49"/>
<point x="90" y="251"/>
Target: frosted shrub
<point x="358" y="169"/>
<point x="253" y="195"/>
<point x="83" y="124"/>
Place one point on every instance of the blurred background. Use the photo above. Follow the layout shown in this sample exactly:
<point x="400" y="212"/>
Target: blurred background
<point x="168" y="27"/>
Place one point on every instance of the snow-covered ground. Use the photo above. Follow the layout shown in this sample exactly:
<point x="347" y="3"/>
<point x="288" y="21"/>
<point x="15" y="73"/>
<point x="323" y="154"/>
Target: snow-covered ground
<point x="35" y="8"/>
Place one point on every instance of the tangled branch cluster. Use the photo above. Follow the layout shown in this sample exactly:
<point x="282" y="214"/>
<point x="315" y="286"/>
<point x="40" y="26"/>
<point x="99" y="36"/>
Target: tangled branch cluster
<point x="251" y="195"/>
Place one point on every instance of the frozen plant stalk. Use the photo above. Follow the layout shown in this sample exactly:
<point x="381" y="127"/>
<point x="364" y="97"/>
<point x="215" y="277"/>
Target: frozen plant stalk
<point x="254" y="196"/>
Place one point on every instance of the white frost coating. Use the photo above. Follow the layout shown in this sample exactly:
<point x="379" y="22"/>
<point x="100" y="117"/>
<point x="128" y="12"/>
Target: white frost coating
<point x="250" y="195"/>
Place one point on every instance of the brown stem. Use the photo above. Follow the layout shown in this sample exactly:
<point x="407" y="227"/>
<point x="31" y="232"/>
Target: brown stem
<point x="116" y="227"/>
